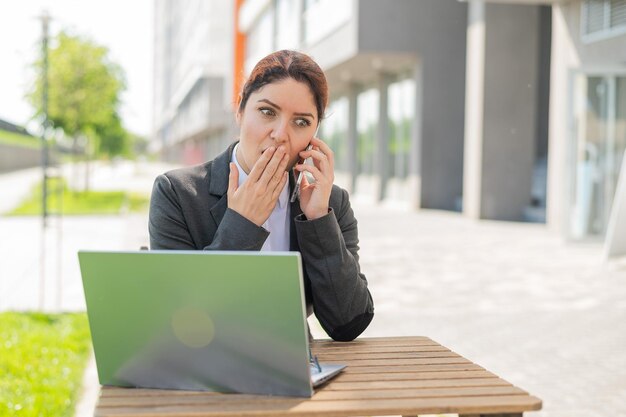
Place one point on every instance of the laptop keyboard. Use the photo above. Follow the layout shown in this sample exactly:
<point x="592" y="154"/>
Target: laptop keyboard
<point x="315" y="365"/>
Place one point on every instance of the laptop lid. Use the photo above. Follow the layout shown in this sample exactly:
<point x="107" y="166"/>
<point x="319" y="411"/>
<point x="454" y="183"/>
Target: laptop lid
<point x="217" y="321"/>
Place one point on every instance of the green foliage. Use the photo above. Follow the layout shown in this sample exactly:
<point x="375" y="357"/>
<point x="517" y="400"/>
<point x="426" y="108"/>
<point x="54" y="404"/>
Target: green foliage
<point x="42" y="359"/>
<point x="338" y="142"/>
<point x="84" y="90"/>
<point x="12" y="138"/>
<point x="81" y="202"/>
<point x="115" y="139"/>
<point x="367" y="149"/>
<point x="399" y="147"/>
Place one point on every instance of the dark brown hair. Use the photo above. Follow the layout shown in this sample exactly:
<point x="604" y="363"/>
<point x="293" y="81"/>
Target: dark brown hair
<point x="280" y="65"/>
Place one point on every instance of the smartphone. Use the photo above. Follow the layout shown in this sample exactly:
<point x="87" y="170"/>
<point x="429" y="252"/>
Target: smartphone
<point x="296" y="189"/>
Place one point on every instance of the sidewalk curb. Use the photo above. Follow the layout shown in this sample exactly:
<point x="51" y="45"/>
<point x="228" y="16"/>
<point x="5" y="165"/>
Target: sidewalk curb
<point x="90" y="388"/>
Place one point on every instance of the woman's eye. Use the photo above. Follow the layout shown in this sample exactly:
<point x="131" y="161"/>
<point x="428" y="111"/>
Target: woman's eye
<point x="303" y="122"/>
<point x="266" y="111"/>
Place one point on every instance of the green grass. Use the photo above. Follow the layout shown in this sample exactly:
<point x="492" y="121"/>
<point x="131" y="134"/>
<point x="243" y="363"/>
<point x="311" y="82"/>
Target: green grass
<point x="42" y="359"/>
<point x="11" y="138"/>
<point x="81" y="202"/>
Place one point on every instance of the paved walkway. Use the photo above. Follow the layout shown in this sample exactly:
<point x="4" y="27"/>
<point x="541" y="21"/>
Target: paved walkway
<point x="545" y="314"/>
<point x="26" y="246"/>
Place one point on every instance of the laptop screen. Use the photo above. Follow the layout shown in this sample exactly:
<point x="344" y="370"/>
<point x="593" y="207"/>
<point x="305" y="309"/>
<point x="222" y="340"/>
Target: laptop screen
<point x="218" y="321"/>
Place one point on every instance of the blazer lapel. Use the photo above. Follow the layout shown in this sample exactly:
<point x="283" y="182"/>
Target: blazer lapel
<point x="218" y="183"/>
<point x="219" y="209"/>
<point x="295" y="212"/>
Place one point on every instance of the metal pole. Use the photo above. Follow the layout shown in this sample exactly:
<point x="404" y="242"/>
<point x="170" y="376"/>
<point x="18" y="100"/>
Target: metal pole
<point x="60" y="191"/>
<point x="45" y="21"/>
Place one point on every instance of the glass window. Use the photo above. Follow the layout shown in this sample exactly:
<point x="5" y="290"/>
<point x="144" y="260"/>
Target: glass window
<point x="619" y="129"/>
<point x="334" y="131"/>
<point x="599" y="147"/>
<point x="601" y="18"/>
<point x="594" y="12"/>
<point x="367" y="123"/>
<point x="401" y="115"/>
<point x="618" y="13"/>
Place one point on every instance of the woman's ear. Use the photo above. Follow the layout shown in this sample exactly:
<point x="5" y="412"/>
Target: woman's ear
<point x="239" y="110"/>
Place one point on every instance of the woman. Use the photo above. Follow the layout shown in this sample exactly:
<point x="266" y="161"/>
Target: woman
<point x="241" y="199"/>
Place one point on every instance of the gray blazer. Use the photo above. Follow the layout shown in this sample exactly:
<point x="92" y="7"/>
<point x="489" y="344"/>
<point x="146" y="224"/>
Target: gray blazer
<point x="189" y="211"/>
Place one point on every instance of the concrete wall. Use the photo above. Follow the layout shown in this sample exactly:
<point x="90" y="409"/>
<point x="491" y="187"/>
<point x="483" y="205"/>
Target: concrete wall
<point x="13" y="158"/>
<point x="443" y="119"/>
<point x="327" y="54"/>
<point x="510" y="123"/>
<point x="434" y="31"/>
<point x="609" y="51"/>
<point x="543" y="97"/>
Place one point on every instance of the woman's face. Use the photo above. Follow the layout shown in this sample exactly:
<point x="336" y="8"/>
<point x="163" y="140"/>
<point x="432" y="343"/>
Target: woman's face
<point x="279" y="113"/>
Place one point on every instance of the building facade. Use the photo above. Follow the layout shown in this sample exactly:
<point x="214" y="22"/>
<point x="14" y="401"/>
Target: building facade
<point x="396" y="76"/>
<point x="587" y="114"/>
<point x="507" y="109"/>
<point x="192" y="77"/>
<point x="565" y="134"/>
<point x="507" y="96"/>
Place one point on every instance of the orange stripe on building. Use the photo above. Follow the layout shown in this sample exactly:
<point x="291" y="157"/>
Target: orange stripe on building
<point x="239" y="56"/>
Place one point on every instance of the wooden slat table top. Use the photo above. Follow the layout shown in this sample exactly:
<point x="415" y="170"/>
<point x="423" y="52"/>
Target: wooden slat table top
<point x="385" y="376"/>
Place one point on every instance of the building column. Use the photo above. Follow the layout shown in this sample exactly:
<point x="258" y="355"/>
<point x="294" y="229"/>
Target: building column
<point x="415" y="155"/>
<point x="502" y="90"/>
<point x="564" y="57"/>
<point x="382" y="136"/>
<point x="474" y="109"/>
<point x="353" y="137"/>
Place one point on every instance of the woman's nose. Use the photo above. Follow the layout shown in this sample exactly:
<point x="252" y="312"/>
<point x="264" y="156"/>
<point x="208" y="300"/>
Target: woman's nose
<point x="279" y="132"/>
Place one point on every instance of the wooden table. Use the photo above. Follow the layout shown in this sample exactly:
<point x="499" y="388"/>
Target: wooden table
<point x="385" y="376"/>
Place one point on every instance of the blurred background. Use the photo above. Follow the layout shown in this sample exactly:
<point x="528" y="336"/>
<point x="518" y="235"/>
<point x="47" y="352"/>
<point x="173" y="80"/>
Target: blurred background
<point x="481" y="142"/>
<point x="506" y="110"/>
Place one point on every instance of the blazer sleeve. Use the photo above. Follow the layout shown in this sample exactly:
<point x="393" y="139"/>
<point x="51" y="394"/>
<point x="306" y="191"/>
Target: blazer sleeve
<point x="173" y="211"/>
<point x="235" y="232"/>
<point x="329" y="249"/>
<point x="166" y="223"/>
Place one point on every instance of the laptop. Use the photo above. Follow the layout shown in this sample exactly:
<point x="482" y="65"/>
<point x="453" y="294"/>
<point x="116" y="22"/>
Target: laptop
<point x="193" y="320"/>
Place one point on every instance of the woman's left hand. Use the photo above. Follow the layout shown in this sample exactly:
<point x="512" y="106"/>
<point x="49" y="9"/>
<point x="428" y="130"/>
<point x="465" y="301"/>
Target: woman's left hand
<point x="315" y="197"/>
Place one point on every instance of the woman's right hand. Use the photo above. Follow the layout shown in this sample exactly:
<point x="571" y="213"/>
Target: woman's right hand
<point x="256" y="198"/>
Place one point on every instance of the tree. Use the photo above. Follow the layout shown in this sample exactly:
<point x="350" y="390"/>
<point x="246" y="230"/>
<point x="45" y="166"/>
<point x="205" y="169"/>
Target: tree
<point x="83" y="94"/>
<point x="114" y="139"/>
